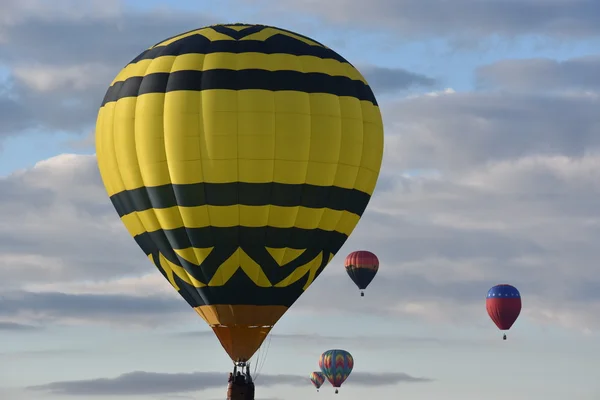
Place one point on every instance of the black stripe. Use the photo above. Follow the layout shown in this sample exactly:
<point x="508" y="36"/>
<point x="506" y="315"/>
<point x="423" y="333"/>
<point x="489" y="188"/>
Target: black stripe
<point x="249" y="194"/>
<point x="235" y="34"/>
<point x="239" y="80"/>
<point x="181" y="238"/>
<point x="276" y="44"/>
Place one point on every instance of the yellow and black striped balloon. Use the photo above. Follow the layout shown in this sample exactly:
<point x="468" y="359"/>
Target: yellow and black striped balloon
<point x="240" y="158"/>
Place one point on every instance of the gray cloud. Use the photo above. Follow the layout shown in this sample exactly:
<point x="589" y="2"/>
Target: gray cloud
<point x="542" y="74"/>
<point x="464" y="130"/>
<point x="389" y="80"/>
<point x="580" y="18"/>
<point x="91" y="307"/>
<point x="61" y="62"/>
<point x="145" y="383"/>
<point x="13" y="326"/>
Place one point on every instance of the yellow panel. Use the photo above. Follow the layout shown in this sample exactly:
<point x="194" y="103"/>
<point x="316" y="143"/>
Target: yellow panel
<point x="253" y="216"/>
<point x="124" y="142"/>
<point x="160" y="65"/>
<point x="366" y="180"/>
<point x="195" y="217"/>
<point x="133" y="224"/>
<point x="256" y="100"/>
<point x="325" y="104"/>
<point x="224" y="216"/>
<point x="107" y="161"/>
<point x="373" y="147"/>
<point x="291" y="102"/>
<point x="219" y="100"/>
<point x="329" y="219"/>
<point x="256" y="147"/>
<point x="168" y="218"/>
<point x="347" y="223"/>
<point x="292" y="138"/>
<point x="180" y="147"/>
<point x="370" y="112"/>
<point x="256" y="171"/>
<point x="182" y="102"/>
<point x="350" y="108"/>
<point x="308" y="218"/>
<point x="345" y="176"/>
<point x="321" y="174"/>
<point x="351" y="146"/>
<point x="194" y="255"/>
<point x="219" y="147"/>
<point x="185" y="172"/>
<point x="149" y="220"/>
<point x="188" y="62"/>
<point x="220" y="171"/>
<point x="282" y="217"/>
<point x="284" y="255"/>
<point x="291" y="172"/>
<point x="325" y="139"/>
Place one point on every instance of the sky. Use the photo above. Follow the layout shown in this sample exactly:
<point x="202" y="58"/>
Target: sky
<point x="491" y="174"/>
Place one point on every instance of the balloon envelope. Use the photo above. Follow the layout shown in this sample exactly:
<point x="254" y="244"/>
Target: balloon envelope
<point x="503" y="304"/>
<point x="336" y="365"/>
<point x="362" y="266"/>
<point x="240" y="158"/>
<point x="317" y="378"/>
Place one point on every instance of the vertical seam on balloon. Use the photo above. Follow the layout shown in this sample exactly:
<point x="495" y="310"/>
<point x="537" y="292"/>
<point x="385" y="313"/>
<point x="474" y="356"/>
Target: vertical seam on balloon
<point x="195" y="292"/>
<point x="237" y="149"/>
<point x="270" y="206"/>
<point x="120" y="175"/>
<point x="184" y="287"/>
<point x="202" y="136"/>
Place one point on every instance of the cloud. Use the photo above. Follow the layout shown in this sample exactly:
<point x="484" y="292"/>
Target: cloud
<point x="146" y="383"/>
<point x="460" y="131"/>
<point x="389" y="80"/>
<point x="13" y="326"/>
<point x="580" y="18"/>
<point x="543" y="74"/>
<point x="48" y="307"/>
<point x="60" y="59"/>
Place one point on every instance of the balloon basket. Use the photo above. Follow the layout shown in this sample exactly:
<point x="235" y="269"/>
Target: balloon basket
<point x="504" y="337"/>
<point x="336" y="391"/>
<point x="362" y="294"/>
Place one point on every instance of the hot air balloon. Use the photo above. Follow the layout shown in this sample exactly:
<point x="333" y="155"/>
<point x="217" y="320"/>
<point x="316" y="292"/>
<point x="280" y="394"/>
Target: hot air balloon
<point x="317" y="379"/>
<point x="240" y="158"/>
<point x="336" y="365"/>
<point x="362" y="266"/>
<point x="503" y="304"/>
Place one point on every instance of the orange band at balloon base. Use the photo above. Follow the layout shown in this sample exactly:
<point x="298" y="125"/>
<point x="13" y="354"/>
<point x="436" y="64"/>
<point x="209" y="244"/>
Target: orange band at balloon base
<point x="241" y="329"/>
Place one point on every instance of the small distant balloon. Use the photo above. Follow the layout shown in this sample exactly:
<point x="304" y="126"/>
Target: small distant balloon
<point x="503" y="304"/>
<point x="362" y="266"/>
<point x="317" y="378"/>
<point x="336" y="365"/>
